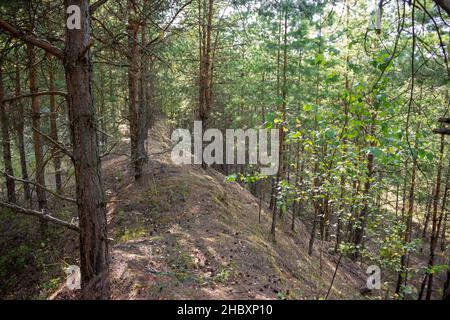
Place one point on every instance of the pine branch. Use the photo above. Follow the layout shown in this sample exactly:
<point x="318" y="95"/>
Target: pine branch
<point x="37" y="94"/>
<point x="445" y="131"/>
<point x="32" y="39"/>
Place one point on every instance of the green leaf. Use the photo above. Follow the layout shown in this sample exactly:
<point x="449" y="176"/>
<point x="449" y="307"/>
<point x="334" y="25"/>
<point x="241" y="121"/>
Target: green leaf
<point x="307" y="107"/>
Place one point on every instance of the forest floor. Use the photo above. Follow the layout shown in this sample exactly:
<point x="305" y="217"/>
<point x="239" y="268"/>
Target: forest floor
<point x="181" y="233"/>
<point x="187" y="233"/>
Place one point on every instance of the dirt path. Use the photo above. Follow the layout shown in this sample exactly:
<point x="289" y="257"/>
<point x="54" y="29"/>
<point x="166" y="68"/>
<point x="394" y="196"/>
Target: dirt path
<point x="185" y="233"/>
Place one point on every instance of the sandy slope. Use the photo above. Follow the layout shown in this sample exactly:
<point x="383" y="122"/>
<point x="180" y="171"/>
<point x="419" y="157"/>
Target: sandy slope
<point x="185" y="233"/>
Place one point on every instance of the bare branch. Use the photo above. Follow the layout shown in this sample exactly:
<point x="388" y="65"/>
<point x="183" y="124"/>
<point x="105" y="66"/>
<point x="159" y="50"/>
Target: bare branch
<point x="55" y="143"/>
<point x="445" y="131"/>
<point x="40" y="186"/>
<point x="168" y="25"/>
<point x="37" y="94"/>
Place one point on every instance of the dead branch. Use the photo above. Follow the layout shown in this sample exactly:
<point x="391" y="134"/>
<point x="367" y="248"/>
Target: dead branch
<point x="40" y="186"/>
<point x="37" y="94"/>
<point x="32" y="39"/>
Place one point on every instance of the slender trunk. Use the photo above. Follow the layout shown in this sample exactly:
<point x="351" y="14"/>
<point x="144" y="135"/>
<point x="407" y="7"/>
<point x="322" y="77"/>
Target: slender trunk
<point x="349" y="232"/>
<point x="112" y="95"/>
<point x="274" y="211"/>
<point x="427" y="215"/>
<point x="144" y="85"/>
<point x="312" y="238"/>
<point x="362" y="219"/>
<point x="275" y="181"/>
<point x="205" y="77"/>
<point x="446" y="295"/>
<point x="261" y="199"/>
<point x="317" y="208"/>
<point x="444" y="222"/>
<point x="53" y="127"/>
<point x="334" y="276"/>
<point x="340" y="212"/>
<point x="18" y="124"/>
<point x="263" y="109"/>
<point x="37" y="142"/>
<point x="397" y="198"/>
<point x="6" y="146"/>
<point x="402" y="275"/>
<point x="444" y="230"/>
<point x="324" y="219"/>
<point x="281" y="169"/>
<point x="339" y="216"/>
<point x="136" y="118"/>
<point x="405" y="187"/>
<point x="316" y="181"/>
<point x="434" y="229"/>
<point x="444" y="211"/>
<point x="102" y="112"/>
<point x="297" y="182"/>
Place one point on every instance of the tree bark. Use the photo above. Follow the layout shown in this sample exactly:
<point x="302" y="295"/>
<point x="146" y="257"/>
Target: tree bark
<point x="205" y="16"/>
<point x="362" y="219"/>
<point x="434" y="229"/>
<point x="36" y="125"/>
<point x="53" y="126"/>
<point x="19" y="124"/>
<point x="446" y="295"/>
<point x="427" y="214"/>
<point x="402" y="275"/>
<point x="144" y="86"/>
<point x="94" y="256"/>
<point x="282" y="108"/>
<point x="6" y="145"/>
<point x="445" y="211"/>
<point x="136" y="116"/>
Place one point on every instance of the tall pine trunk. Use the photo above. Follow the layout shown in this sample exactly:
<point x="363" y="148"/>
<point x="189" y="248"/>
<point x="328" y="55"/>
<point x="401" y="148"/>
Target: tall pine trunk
<point x="362" y="218"/>
<point x="136" y="116"/>
<point x="53" y="126"/>
<point x="402" y="275"/>
<point x="428" y="279"/>
<point x="205" y="16"/>
<point x="37" y="141"/>
<point x="90" y="197"/>
<point x="19" y="125"/>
